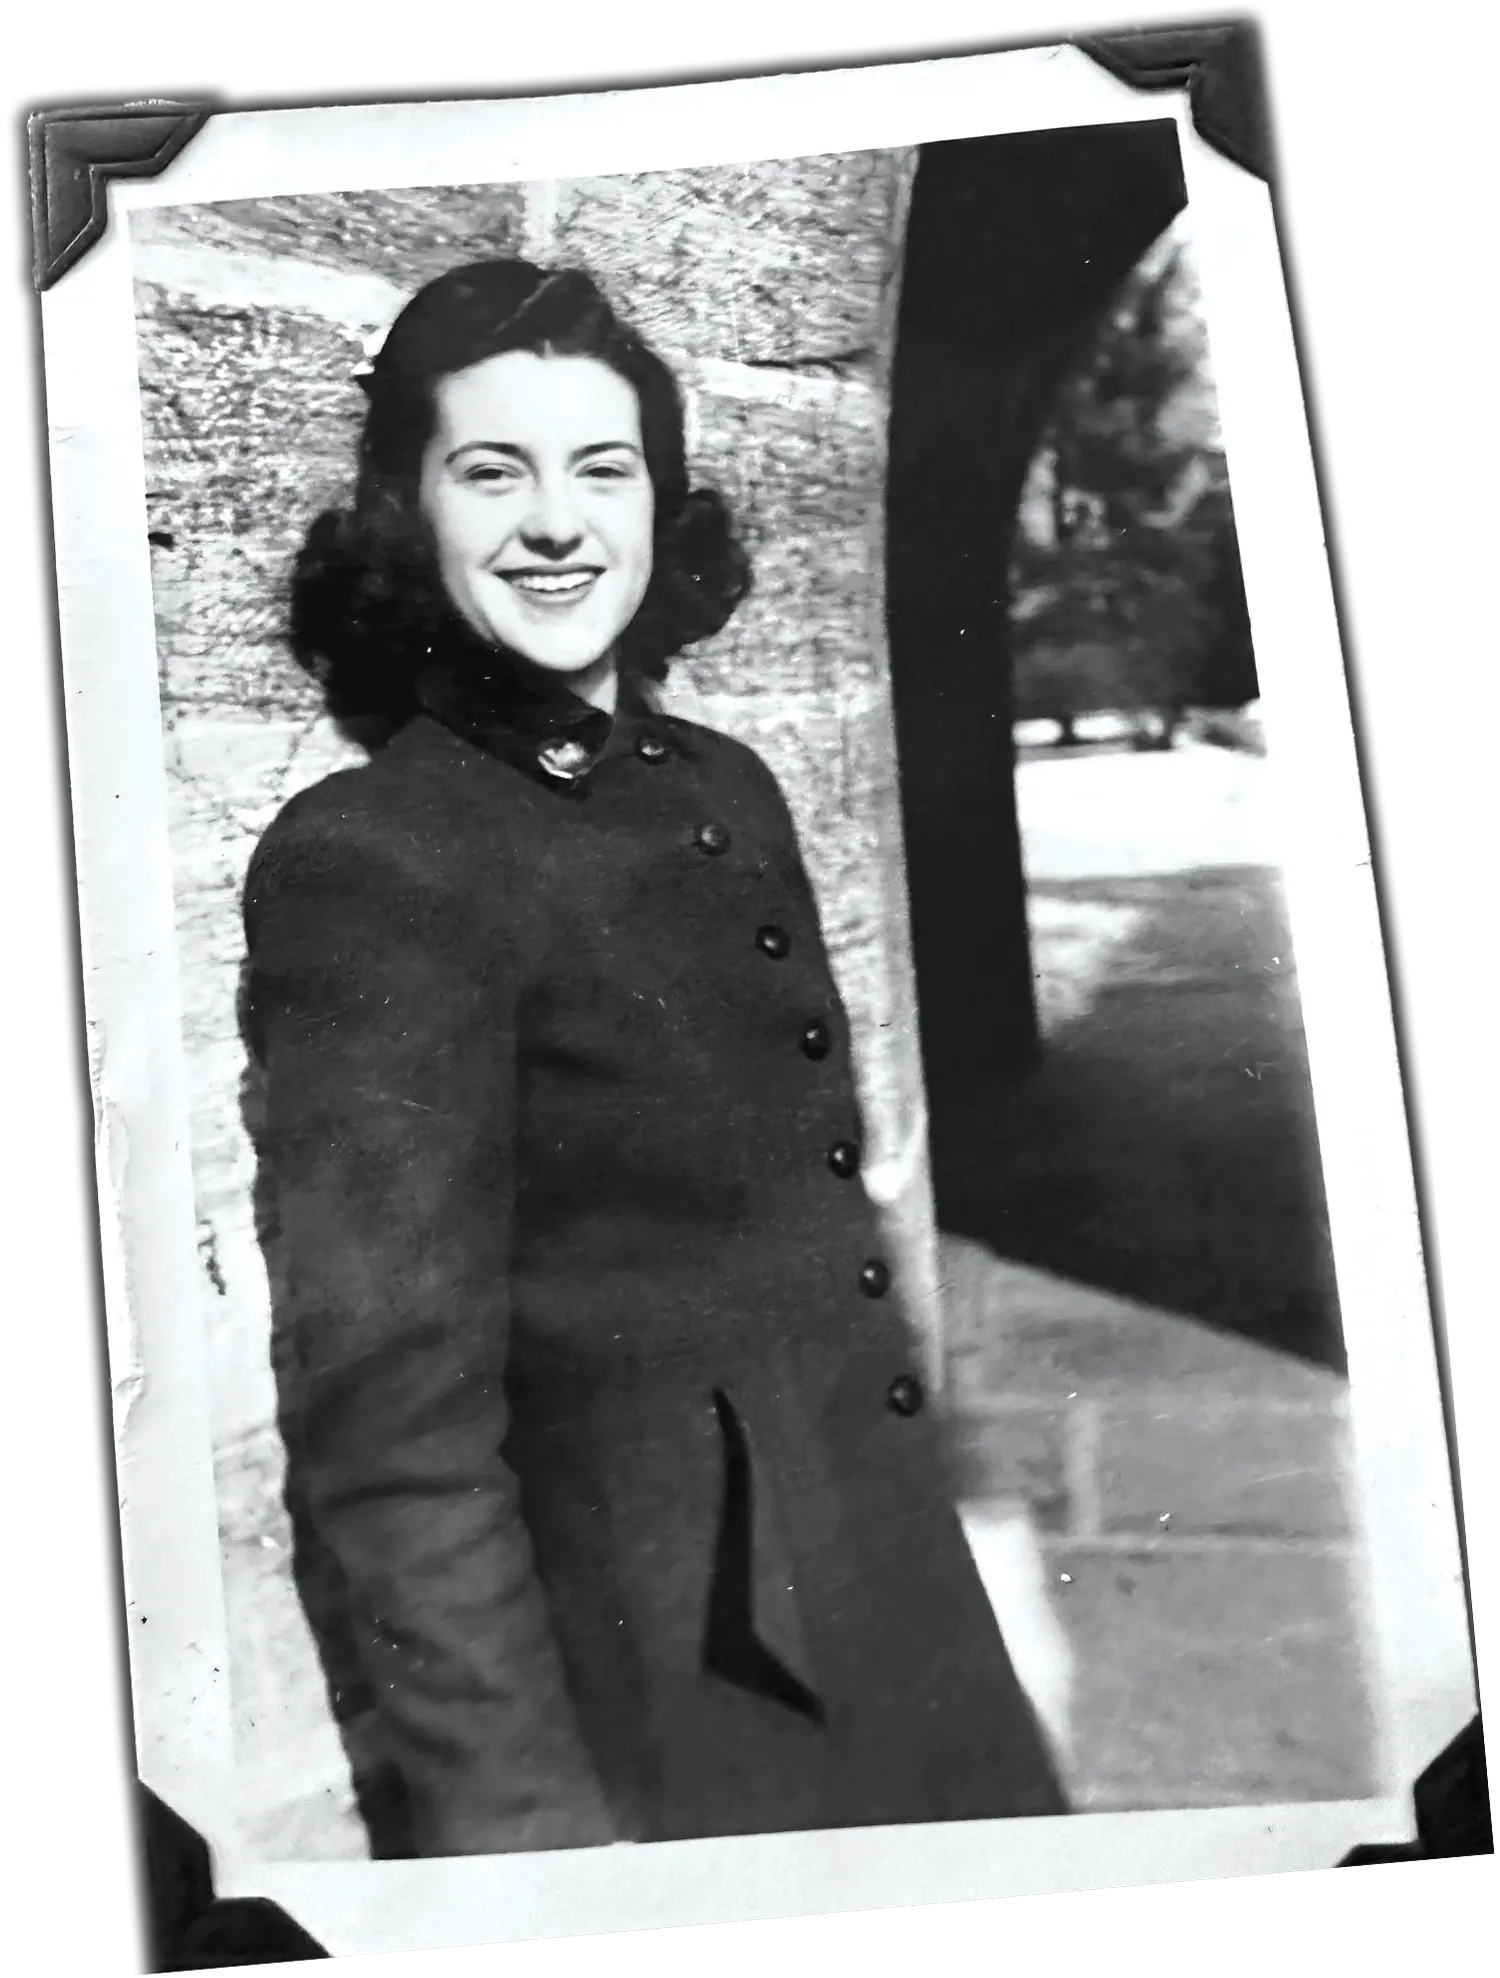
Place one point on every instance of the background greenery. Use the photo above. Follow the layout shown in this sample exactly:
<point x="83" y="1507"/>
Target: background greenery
<point x="1125" y="574"/>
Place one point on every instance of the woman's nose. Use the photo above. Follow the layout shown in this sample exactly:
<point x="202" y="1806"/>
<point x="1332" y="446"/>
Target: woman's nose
<point x="551" y="525"/>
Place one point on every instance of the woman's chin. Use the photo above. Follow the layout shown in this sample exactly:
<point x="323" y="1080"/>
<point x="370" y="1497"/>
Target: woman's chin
<point x="570" y="665"/>
<point x="564" y="659"/>
<point x="583" y="670"/>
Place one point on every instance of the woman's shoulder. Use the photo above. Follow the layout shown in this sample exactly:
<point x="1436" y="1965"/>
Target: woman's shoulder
<point x="726" y="752"/>
<point x="320" y="848"/>
<point x="403" y="793"/>
<point x="426" y="822"/>
<point x="341" y="811"/>
<point x="395" y="809"/>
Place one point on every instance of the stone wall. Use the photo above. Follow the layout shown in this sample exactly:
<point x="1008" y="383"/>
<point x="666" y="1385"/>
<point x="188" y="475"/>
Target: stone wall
<point x="772" y="288"/>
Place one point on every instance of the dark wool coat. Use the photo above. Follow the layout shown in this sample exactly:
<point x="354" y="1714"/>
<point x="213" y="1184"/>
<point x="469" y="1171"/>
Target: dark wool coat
<point x="608" y="1414"/>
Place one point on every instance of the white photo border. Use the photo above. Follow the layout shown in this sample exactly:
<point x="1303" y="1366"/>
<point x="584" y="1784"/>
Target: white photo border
<point x="177" y="1630"/>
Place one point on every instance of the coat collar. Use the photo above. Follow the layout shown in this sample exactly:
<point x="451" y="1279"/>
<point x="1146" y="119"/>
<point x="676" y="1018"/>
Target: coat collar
<point x="525" y="717"/>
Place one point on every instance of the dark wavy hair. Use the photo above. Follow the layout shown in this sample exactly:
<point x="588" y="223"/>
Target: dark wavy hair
<point x="366" y="598"/>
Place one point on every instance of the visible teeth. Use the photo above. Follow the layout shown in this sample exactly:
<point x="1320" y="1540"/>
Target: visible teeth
<point x="571" y="581"/>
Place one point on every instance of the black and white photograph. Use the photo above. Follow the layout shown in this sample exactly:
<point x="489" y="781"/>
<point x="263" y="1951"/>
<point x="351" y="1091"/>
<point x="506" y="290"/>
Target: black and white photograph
<point x="756" y="1212"/>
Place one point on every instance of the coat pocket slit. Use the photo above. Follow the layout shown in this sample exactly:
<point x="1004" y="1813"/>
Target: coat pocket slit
<point x="732" y="1648"/>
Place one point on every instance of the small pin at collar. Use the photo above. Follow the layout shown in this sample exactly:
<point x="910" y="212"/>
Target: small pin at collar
<point x="566" y="760"/>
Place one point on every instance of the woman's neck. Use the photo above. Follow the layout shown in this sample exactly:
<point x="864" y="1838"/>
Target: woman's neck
<point x="598" y="684"/>
<point x="498" y="676"/>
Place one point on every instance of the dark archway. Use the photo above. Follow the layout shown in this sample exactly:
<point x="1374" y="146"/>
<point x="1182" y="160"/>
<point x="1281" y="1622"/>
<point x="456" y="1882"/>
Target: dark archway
<point x="1014" y="246"/>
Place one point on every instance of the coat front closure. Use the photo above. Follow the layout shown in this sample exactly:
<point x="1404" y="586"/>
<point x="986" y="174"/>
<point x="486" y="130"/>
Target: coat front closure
<point x="606" y="1406"/>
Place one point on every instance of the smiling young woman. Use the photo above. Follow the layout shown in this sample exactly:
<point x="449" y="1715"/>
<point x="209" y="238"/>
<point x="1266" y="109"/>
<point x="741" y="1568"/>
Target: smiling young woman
<point x="600" y="1422"/>
<point x="543" y="537"/>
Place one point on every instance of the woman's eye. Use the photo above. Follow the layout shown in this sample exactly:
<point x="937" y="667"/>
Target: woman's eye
<point x="608" y="470"/>
<point x="489" y="473"/>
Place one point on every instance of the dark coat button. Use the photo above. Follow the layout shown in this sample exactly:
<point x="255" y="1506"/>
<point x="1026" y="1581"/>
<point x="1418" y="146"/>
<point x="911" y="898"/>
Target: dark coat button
<point x="773" y="941"/>
<point x="875" y="1279"/>
<point x="843" y="1158"/>
<point x="904" y="1395"/>
<point x="651" y="748"/>
<point x="713" y="838"/>
<point x="816" y="1039"/>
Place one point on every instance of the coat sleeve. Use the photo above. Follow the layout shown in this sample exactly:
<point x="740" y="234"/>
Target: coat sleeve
<point x="386" y="1037"/>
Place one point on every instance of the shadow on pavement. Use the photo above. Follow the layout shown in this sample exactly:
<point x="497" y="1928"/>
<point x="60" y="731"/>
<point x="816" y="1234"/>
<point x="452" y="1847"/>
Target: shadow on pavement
<point x="1164" y="1147"/>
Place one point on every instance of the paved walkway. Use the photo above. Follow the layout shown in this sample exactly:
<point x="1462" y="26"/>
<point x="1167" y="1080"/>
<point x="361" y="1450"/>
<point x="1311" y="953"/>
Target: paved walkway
<point x="1162" y="1513"/>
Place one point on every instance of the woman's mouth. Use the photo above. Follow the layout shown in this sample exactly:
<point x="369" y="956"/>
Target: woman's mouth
<point x="552" y="586"/>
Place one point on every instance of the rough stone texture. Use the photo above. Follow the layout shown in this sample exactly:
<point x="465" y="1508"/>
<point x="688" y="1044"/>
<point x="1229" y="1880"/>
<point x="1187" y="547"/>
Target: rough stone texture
<point x="774" y="261"/>
<point x="250" y="417"/>
<point x="805" y="480"/>
<point x="407" y="236"/>
<point x="258" y="675"/>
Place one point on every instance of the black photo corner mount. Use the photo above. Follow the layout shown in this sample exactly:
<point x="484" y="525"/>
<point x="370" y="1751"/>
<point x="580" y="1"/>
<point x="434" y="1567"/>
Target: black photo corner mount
<point x="74" y="155"/>
<point x="188" y="1927"/>
<point x="1452" y="1805"/>
<point x="1218" y="63"/>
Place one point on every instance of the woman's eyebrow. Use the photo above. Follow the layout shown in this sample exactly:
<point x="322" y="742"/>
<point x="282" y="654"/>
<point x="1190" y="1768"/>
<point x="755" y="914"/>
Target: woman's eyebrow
<point x="514" y="452"/>
<point x="486" y="446"/>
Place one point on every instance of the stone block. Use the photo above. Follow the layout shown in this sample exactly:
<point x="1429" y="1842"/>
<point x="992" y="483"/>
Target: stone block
<point x="1014" y="1450"/>
<point x="1230" y="1676"/>
<point x="407" y="235"/>
<point x="250" y="419"/>
<point x="1239" y="1468"/>
<point x="799" y="468"/>
<point x="237" y="404"/>
<point x="230" y="769"/>
<point x="779" y="260"/>
<point x="805" y="481"/>
<point x="221" y="607"/>
<point x="249" y="673"/>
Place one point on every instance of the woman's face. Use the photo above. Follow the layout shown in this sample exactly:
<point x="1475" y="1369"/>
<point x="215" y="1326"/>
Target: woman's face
<point x="534" y="485"/>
